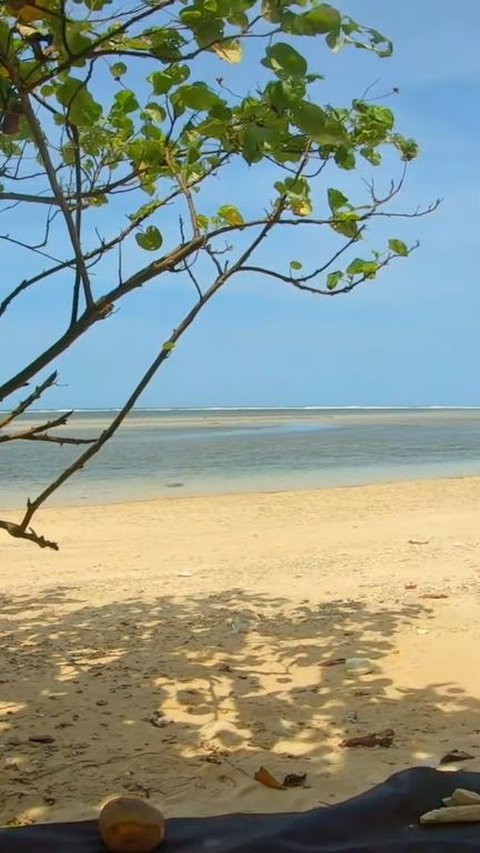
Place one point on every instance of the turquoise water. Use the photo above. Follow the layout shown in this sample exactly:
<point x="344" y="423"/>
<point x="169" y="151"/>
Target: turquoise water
<point x="215" y="451"/>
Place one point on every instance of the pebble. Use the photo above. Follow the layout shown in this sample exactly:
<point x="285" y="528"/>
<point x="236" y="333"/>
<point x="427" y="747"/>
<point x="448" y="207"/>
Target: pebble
<point x="358" y="666"/>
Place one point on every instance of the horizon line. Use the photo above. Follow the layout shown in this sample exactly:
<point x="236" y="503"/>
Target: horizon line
<point x="260" y="408"/>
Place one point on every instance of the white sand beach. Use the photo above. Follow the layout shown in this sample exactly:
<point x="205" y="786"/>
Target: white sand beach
<point x="172" y="647"/>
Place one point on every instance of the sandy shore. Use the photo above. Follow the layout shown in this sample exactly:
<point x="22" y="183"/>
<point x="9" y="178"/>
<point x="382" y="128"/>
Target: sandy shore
<point x="172" y="647"/>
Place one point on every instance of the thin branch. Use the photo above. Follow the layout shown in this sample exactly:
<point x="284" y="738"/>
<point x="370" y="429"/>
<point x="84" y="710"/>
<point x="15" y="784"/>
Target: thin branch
<point x="319" y="291"/>
<point x="35" y="247"/>
<point x="27" y="402"/>
<point x="78" y="221"/>
<point x="99" y="311"/>
<point x="186" y="265"/>
<point x="108" y="36"/>
<point x="302" y="279"/>
<point x="54" y="439"/>
<point x="213" y="256"/>
<point x="31" y="199"/>
<point x="106" y="246"/>
<point x="36" y="430"/>
<point x="185" y="189"/>
<point x="58" y="193"/>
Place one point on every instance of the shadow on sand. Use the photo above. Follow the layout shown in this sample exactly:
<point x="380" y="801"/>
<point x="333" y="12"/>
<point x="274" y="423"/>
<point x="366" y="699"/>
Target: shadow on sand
<point x="182" y="701"/>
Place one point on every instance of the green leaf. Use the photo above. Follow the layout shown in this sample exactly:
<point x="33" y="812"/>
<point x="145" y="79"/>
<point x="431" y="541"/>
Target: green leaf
<point x="253" y="141"/>
<point x="284" y="60"/>
<point x="197" y="97"/>
<point x="323" y="19"/>
<point x="362" y="267"/>
<point x="98" y="200"/>
<point x="144" y="211"/>
<point x="383" y="116"/>
<point x="203" y="222"/>
<point x="125" y="102"/>
<point x="371" y="154"/>
<point x="150" y="239"/>
<point x="272" y="11"/>
<point x="346" y="224"/>
<point x="74" y="39"/>
<point x="82" y="110"/>
<point x="230" y="214"/>
<point x="302" y="207"/>
<point x="407" y="147"/>
<point x="398" y="247"/>
<point x="345" y="158"/>
<point x="333" y="278"/>
<point x="153" y="112"/>
<point x="296" y="265"/>
<point x="166" y="44"/>
<point x="118" y="69"/>
<point x="96" y="5"/>
<point x="335" y="40"/>
<point x="337" y="200"/>
<point x="309" y="118"/>
<point x="332" y="133"/>
<point x="69" y="154"/>
<point x="161" y="82"/>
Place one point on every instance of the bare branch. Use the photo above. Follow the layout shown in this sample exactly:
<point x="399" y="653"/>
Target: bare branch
<point x="53" y="439"/>
<point x="25" y="404"/>
<point x="31" y="199"/>
<point x="187" y="266"/>
<point x="17" y="531"/>
<point x="36" y="430"/>
<point x="185" y="190"/>
<point x="57" y="192"/>
<point x="78" y="220"/>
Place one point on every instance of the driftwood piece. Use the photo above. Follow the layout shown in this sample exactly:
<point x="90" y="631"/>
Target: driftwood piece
<point x="462" y="797"/>
<point x="453" y="814"/>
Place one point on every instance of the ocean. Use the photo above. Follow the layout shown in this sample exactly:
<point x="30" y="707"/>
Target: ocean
<point x="200" y="451"/>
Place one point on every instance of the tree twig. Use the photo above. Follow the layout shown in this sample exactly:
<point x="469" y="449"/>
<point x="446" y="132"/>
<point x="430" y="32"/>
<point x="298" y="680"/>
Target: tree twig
<point x="35" y="430"/>
<point x="27" y="402"/>
<point x="58" y="194"/>
<point x="17" y="531"/>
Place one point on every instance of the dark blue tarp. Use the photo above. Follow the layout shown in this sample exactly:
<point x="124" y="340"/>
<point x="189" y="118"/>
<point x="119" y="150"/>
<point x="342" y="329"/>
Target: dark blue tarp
<point x="382" y="820"/>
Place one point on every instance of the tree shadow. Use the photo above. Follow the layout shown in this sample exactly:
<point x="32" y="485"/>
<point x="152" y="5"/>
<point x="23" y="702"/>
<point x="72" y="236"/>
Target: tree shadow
<point x="183" y="700"/>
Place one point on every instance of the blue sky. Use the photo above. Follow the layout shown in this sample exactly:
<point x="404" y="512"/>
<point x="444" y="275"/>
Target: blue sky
<point x="411" y="338"/>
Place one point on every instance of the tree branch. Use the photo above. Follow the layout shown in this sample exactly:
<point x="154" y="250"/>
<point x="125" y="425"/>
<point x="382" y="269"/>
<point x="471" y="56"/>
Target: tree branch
<point x="31" y="199"/>
<point x="185" y="190"/>
<point x="25" y="404"/>
<point x="78" y="464"/>
<point x="58" y="194"/>
<point x="35" y="430"/>
<point x="78" y="222"/>
<point x="17" y="531"/>
<point x="105" y="246"/>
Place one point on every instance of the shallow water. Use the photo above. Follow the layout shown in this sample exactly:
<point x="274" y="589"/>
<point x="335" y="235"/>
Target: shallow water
<point x="213" y="451"/>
